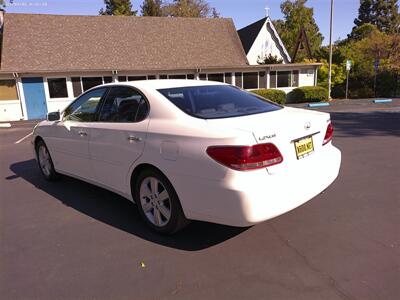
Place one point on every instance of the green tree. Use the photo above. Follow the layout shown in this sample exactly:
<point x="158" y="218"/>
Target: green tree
<point x="269" y="60"/>
<point x="362" y="31"/>
<point x="151" y="8"/>
<point x="190" y="8"/>
<point x="118" y="8"/>
<point x="338" y="74"/>
<point x="365" y="13"/>
<point x="386" y="15"/>
<point x="297" y="15"/>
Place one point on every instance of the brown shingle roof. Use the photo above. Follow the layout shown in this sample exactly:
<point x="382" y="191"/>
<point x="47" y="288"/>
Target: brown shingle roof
<point x="34" y="42"/>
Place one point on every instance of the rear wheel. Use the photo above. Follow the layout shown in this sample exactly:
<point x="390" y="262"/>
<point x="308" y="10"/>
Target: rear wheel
<point x="158" y="202"/>
<point x="45" y="162"/>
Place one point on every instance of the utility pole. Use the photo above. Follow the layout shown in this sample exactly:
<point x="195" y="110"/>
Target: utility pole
<point x="330" y="53"/>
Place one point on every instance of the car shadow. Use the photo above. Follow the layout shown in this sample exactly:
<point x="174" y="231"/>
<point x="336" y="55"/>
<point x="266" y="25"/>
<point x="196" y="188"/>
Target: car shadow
<point x="119" y="212"/>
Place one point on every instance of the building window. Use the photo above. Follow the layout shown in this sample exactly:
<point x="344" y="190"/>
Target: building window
<point x="76" y="86"/>
<point x="89" y="82"/>
<point x="134" y="78"/>
<point x="228" y="78"/>
<point x="190" y="76"/>
<point x="121" y="78"/>
<point x="107" y="79"/>
<point x="216" y="77"/>
<point x="284" y="79"/>
<point x="272" y="80"/>
<point x="151" y="77"/>
<point x="8" y="90"/>
<point x="57" y="87"/>
<point x="203" y="76"/>
<point x="238" y="79"/>
<point x="177" y="76"/>
<point x="261" y="80"/>
<point x="295" y="78"/>
<point x="163" y="77"/>
<point x="250" y="80"/>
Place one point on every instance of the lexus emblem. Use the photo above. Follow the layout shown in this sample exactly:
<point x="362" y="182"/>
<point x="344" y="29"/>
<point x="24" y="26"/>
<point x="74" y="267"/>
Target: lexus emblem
<point x="307" y="125"/>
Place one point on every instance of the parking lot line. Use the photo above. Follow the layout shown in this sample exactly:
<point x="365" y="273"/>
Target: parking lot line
<point x="24" y="138"/>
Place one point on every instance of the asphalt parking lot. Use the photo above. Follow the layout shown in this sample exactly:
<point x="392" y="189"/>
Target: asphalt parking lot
<point x="72" y="240"/>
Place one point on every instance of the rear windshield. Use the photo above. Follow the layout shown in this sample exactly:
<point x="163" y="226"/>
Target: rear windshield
<point x="217" y="101"/>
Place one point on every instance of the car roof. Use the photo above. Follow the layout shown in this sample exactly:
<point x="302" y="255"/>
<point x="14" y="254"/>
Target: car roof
<point x="165" y="83"/>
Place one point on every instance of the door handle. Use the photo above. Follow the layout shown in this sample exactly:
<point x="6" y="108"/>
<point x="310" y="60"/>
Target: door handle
<point x="132" y="138"/>
<point x="82" y="133"/>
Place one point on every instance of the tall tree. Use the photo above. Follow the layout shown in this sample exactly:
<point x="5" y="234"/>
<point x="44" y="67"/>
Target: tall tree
<point x="118" y="8"/>
<point x="190" y="8"/>
<point x="365" y="13"/>
<point x="297" y="15"/>
<point x="151" y="8"/>
<point x="386" y="15"/>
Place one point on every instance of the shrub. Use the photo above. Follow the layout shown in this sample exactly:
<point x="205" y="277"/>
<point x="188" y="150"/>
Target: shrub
<point x="308" y="94"/>
<point x="338" y="91"/>
<point x="362" y="92"/>
<point x="276" y="96"/>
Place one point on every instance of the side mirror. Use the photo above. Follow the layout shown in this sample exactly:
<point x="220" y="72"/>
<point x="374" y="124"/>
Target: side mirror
<point x="53" y="116"/>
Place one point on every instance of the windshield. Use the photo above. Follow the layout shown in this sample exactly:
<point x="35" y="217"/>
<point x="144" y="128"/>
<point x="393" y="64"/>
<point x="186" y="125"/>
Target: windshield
<point x="217" y="101"/>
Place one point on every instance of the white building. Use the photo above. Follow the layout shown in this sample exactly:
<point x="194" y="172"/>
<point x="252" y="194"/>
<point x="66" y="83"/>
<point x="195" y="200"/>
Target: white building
<point x="48" y="60"/>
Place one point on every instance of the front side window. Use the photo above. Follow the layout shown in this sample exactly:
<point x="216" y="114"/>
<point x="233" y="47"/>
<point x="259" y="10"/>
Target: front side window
<point x="217" y="101"/>
<point x="123" y="104"/>
<point x="85" y="107"/>
<point x="57" y="87"/>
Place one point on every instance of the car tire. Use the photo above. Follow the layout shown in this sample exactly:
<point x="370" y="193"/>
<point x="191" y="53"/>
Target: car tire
<point x="45" y="162"/>
<point x="158" y="203"/>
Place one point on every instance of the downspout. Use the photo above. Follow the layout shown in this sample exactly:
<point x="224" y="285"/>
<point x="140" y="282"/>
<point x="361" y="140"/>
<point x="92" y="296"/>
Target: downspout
<point x="16" y="76"/>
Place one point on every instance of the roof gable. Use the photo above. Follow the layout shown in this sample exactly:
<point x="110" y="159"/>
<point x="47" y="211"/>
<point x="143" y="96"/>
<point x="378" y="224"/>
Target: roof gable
<point x="33" y="42"/>
<point x="249" y="34"/>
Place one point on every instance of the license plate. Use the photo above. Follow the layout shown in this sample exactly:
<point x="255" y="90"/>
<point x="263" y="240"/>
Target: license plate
<point x="304" y="147"/>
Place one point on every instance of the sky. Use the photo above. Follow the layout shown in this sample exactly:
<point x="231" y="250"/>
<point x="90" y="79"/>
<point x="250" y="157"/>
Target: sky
<point x="243" y="12"/>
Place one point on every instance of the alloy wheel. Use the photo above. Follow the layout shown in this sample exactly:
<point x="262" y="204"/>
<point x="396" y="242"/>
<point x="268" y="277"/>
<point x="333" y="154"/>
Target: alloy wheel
<point x="155" y="201"/>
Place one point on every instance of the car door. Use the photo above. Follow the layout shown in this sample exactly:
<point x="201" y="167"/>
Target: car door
<point x="69" y="140"/>
<point x="118" y="138"/>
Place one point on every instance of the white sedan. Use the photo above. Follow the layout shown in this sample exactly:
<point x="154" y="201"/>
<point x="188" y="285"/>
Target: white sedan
<point x="191" y="150"/>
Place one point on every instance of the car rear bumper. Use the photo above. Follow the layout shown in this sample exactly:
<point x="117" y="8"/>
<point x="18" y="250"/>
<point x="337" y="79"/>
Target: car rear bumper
<point x="246" y="198"/>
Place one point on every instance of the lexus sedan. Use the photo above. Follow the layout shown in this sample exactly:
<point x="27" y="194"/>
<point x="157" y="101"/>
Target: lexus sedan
<point x="191" y="150"/>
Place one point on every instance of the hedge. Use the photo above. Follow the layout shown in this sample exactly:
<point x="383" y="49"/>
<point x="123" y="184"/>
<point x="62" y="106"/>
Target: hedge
<point x="308" y="94"/>
<point x="276" y="96"/>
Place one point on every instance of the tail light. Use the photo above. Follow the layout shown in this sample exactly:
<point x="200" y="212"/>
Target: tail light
<point x="328" y="134"/>
<point x="244" y="158"/>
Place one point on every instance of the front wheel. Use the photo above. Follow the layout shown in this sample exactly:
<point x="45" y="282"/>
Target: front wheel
<point x="45" y="162"/>
<point x="158" y="202"/>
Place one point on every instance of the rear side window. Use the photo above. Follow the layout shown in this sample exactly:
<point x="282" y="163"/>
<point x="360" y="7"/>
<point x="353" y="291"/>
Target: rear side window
<point x="123" y="104"/>
<point x="217" y="101"/>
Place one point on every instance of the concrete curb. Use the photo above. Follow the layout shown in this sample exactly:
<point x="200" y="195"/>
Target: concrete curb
<point x="383" y="100"/>
<point x="318" y="104"/>
<point x="5" y="125"/>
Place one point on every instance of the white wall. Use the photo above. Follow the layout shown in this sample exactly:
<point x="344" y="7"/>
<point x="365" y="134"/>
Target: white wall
<point x="10" y="110"/>
<point x="307" y="76"/>
<point x="263" y="44"/>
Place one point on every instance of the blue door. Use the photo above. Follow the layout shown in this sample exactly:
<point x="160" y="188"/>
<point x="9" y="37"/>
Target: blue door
<point x="35" y="98"/>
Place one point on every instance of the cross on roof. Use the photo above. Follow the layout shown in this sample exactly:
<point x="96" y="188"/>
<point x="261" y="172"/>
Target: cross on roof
<point x="267" y="11"/>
